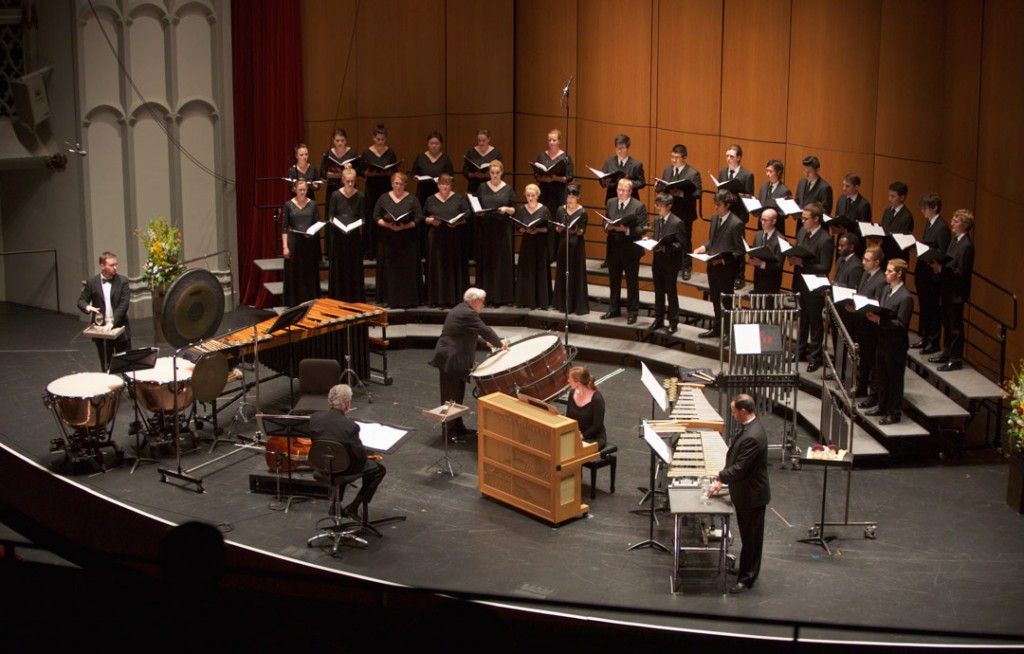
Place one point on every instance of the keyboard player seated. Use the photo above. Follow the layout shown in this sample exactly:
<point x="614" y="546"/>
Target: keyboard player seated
<point x="586" y="406"/>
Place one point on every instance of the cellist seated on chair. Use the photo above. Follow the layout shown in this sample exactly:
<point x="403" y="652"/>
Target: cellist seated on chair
<point x="335" y="425"/>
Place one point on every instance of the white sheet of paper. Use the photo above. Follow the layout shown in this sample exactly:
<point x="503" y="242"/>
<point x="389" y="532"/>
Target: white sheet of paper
<point x="746" y="338"/>
<point x="314" y="228"/>
<point x="646" y="243"/>
<point x="904" y="240"/>
<point x="840" y="293"/>
<point x="860" y="301"/>
<point x="653" y="387"/>
<point x="787" y="206"/>
<point x="784" y="245"/>
<point x="347" y="228"/>
<point x="871" y="229"/>
<point x="475" y="203"/>
<point x="921" y="247"/>
<point x="752" y="204"/>
<point x="701" y="257"/>
<point x="814" y="282"/>
<point x="379" y="437"/>
<point x="657" y="444"/>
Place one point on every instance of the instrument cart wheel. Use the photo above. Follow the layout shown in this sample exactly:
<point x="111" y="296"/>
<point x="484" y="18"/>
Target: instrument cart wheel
<point x="869" y="532"/>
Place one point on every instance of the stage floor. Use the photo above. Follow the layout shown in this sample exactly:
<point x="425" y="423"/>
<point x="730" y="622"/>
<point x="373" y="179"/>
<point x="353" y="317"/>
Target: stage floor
<point x="948" y="553"/>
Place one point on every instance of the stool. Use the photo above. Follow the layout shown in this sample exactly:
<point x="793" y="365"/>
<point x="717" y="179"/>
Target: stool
<point x="608" y="458"/>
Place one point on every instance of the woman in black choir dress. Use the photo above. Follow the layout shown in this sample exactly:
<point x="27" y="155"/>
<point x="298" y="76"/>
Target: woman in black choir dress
<point x="534" y="288"/>
<point x="447" y="273"/>
<point x="430" y="164"/>
<point x="398" y="259"/>
<point x="301" y="253"/>
<point x="345" y="281"/>
<point x="579" y="300"/>
<point x="482" y="153"/>
<point x="552" y="187"/>
<point x="377" y="183"/>
<point x="772" y="189"/>
<point x="495" y="252"/>
<point x="334" y="161"/>
<point x="586" y="406"/>
<point x="302" y="169"/>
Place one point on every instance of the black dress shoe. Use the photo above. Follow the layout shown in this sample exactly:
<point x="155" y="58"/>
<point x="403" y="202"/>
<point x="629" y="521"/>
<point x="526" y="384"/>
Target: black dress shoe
<point x="918" y="345"/>
<point x="630" y="319"/>
<point x="657" y="324"/>
<point x="874" y="413"/>
<point x="711" y="333"/>
<point x="740" y="587"/>
<point x="673" y="328"/>
<point x="686" y="275"/>
<point x="813" y="366"/>
<point x="869" y="403"/>
<point x="942" y="358"/>
<point x="611" y="314"/>
<point x="929" y="349"/>
<point x="737" y="285"/>
<point x="950" y="365"/>
<point x="604" y="264"/>
<point x="889" y="420"/>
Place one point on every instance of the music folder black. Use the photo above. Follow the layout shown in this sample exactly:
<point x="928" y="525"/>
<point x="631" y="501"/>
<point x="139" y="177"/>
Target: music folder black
<point x="685" y="185"/>
<point x="802" y="252"/>
<point x="558" y="167"/>
<point x="763" y="252"/>
<point x="382" y="170"/>
<point x="933" y="254"/>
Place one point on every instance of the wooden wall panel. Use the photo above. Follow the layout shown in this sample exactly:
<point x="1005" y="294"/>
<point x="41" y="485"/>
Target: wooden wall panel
<point x="480" y="62"/>
<point x="1002" y="98"/>
<point x="687" y="89"/>
<point x="909" y="109"/>
<point x="615" y="62"/>
<point x="921" y="177"/>
<point x="833" y="75"/>
<point x="461" y="136"/>
<point x="961" y="98"/>
<point x="546" y="44"/>
<point x="401" y="66"/>
<point x="755" y="64"/>
<point x="328" y="63"/>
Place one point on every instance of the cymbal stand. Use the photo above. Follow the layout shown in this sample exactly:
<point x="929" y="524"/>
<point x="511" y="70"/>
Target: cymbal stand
<point x="348" y="367"/>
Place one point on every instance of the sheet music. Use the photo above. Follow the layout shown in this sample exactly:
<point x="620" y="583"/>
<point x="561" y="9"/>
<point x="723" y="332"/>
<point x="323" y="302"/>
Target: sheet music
<point x="659" y="446"/>
<point x="656" y="390"/>
<point x="787" y="206"/>
<point x="746" y="338"/>
<point x="378" y="437"/>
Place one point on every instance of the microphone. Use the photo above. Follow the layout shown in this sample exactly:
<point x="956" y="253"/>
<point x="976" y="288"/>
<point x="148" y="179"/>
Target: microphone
<point x="565" y="89"/>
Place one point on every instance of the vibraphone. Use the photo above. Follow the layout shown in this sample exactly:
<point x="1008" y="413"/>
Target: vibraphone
<point x="321" y="334"/>
<point x="698" y="453"/>
<point x="692" y="409"/>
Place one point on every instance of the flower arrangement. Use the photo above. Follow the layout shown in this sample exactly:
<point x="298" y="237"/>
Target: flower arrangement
<point x="163" y="252"/>
<point x="1014" y="387"/>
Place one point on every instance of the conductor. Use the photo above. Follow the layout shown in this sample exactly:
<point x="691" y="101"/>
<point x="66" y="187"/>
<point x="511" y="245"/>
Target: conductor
<point x="455" y="350"/>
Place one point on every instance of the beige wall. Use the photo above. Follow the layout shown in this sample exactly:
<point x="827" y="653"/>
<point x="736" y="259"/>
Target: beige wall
<point x="915" y="90"/>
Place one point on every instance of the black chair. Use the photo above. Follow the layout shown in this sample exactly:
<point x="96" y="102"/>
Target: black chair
<point x="607" y="459"/>
<point x="335" y="464"/>
<point x="316" y="378"/>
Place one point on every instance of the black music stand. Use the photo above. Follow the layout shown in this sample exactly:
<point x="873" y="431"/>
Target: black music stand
<point x="131" y="362"/>
<point x="287" y="319"/>
<point x="289" y="427"/>
<point x="656" y="453"/>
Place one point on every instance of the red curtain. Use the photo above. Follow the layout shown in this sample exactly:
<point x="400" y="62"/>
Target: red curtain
<point x="267" y="74"/>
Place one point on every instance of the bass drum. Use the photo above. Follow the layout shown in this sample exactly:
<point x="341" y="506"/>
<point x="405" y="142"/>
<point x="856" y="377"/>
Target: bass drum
<point x="536" y="366"/>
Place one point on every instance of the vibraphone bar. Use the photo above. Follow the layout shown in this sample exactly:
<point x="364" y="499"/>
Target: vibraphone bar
<point x="692" y="409"/>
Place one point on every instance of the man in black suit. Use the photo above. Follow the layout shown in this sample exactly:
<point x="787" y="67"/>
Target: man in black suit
<point x="745" y="179"/>
<point x="726" y="238"/>
<point x="851" y="203"/>
<point x="456" y="350"/>
<point x="849" y="268"/>
<point x="335" y="425"/>
<point x="812" y="188"/>
<point x="956" y="290"/>
<point x="746" y="472"/>
<point x="893" y="342"/>
<point x="818" y="242"/>
<point x="631" y="169"/>
<point x="871" y="284"/>
<point x="684" y="205"/>
<point x="936" y="236"/>
<point x="774" y="189"/>
<point x="767" y="273"/>
<point x="668" y="258"/>
<point x="107" y="295"/>
<point x="622" y="252"/>
<point x="896" y="219"/>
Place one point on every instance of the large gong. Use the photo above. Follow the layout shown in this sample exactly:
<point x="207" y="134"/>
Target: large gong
<point x="193" y="307"/>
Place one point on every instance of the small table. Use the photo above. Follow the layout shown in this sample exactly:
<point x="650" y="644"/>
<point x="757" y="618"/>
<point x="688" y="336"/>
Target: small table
<point x="689" y="501"/>
<point x="443" y="414"/>
<point x="817" y="532"/>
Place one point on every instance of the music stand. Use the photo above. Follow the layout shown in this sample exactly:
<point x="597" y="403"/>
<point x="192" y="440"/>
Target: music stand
<point x="131" y="362"/>
<point x="287" y="319"/>
<point x="658" y="450"/>
<point x="289" y="427"/>
<point x="447" y="411"/>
